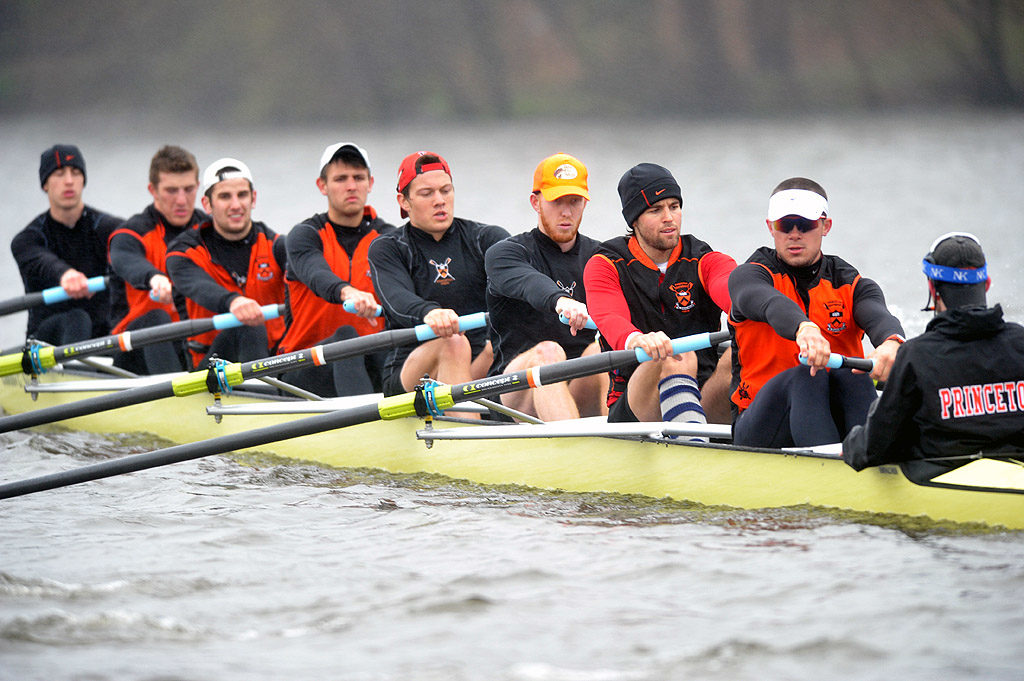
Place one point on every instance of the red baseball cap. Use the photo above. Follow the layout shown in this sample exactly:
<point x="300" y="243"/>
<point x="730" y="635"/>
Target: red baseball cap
<point x="408" y="169"/>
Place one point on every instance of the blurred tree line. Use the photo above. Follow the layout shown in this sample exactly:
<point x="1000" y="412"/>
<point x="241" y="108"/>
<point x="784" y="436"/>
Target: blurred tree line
<point x="306" y="61"/>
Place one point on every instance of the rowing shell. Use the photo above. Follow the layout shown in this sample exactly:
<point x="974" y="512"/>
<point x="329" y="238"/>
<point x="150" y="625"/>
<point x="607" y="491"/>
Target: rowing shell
<point x="581" y="456"/>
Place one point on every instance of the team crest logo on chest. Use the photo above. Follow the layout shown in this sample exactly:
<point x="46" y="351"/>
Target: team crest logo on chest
<point x="264" y="272"/>
<point x="683" y="292"/>
<point x="443" y="276"/>
<point x="568" y="289"/>
<point x="836" y="317"/>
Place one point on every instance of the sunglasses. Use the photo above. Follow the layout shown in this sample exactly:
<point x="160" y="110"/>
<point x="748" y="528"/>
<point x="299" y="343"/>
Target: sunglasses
<point x="786" y="224"/>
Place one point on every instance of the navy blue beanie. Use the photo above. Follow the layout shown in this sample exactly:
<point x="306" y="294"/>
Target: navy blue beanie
<point x="643" y="186"/>
<point x="59" y="156"/>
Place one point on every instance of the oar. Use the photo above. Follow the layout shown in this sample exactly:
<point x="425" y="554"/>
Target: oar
<point x="222" y="377"/>
<point x="421" y="402"/>
<point x="48" y="296"/>
<point x="38" y="359"/>
<point x="589" y="325"/>
<point x="350" y="307"/>
<point x="836" y="361"/>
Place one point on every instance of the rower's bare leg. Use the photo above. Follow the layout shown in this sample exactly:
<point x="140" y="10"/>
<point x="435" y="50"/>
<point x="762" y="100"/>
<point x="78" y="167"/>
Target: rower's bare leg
<point x="547" y="402"/>
<point x="643" y="395"/>
<point x="446" y="360"/>
<point x="481" y="363"/>
<point x="715" y="393"/>
<point x="590" y="393"/>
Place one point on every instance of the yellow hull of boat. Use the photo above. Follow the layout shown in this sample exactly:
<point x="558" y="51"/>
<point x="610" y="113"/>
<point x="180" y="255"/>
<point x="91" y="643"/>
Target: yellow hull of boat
<point x="713" y="475"/>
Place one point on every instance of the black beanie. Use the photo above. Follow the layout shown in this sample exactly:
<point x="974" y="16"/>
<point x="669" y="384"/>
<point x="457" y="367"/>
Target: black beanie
<point x="960" y="252"/>
<point x="58" y="156"/>
<point x="643" y="186"/>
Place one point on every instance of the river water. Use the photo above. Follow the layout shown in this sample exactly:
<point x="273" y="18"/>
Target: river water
<point x="250" y="570"/>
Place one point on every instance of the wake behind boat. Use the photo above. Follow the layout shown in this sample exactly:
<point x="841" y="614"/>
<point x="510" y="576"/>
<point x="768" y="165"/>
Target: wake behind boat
<point x="589" y="455"/>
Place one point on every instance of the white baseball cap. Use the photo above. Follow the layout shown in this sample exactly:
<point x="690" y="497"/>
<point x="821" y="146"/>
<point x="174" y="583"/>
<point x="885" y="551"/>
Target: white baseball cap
<point x="330" y="152"/>
<point x="802" y="202"/>
<point x="219" y="170"/>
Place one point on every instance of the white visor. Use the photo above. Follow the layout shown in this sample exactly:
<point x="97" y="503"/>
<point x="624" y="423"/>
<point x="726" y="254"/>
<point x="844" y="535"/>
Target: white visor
<point x="216" y="172"/>
<point x="802" y="202"/>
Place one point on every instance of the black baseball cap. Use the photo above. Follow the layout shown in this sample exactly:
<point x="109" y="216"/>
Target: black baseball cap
<point x="956" y="266"/>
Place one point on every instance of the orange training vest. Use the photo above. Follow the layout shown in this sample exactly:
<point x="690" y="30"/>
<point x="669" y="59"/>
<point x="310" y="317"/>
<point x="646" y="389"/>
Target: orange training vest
<point x="315" y="319"/>
<point x="264" y="283"/>
<point x="139" y="302"/>
<point x="761" y="353"/>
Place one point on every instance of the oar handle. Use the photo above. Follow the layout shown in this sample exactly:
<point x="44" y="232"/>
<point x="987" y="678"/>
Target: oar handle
<point x="227" y="320"/>
<point x="57" y="294"/>
<point x="837" y="361"/>
<point x="589" y="325"/>
<point x="698" y="341"/>
<point x="467" y="322"/>
<point x="350" y="307"/>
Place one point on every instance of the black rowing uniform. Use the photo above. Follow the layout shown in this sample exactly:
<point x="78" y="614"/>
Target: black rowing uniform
<point x="526" y="275"/>
<point x="956" y="390"/>
<point x="46" y="249"/>
<point x="413" y="274"/>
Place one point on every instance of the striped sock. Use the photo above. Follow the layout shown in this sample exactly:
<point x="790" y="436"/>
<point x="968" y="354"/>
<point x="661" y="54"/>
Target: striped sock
<point x="680" y="401"/>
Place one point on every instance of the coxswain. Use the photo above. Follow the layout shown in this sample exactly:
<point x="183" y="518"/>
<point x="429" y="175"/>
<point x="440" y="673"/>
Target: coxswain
<point x="957" y="390"/>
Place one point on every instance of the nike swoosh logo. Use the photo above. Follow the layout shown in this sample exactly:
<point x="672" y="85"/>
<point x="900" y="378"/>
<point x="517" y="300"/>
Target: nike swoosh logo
<point x="660" y="192"/>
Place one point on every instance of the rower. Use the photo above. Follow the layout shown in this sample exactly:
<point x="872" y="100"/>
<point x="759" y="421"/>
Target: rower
<point x="957" y="389"/>
<point x="536" y="277"/>
<point x="65" y="246"/>
<point x="230" y="264"/>
<point x="431" y="270"/>
<point x="328" y="267"/>
<point x="652" y="285"/>
<point x="792" y="302"/>
<point x="140" y="287"/>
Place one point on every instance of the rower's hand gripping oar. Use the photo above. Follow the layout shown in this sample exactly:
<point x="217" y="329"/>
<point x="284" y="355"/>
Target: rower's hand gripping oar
<point x="222" y="376"/>
<point x="836" y="361"/>
<point x="589" y="325"/>
<point x="37" y="359"/>
<point x="350" y="307"/>
<point x="420" y="403"/>
<point x="54" y="294"/>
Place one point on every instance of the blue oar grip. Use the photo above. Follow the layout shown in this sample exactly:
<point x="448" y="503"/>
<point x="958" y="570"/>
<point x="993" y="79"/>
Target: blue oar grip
<point x="56" y="294"/>
<point x="697" y="341"/>
<point x="836" y="361"/>
<point x="350" y="307"/>
<point x="230" y="321"/>
<point x="467" y="322"/>
<point x="589" y="325"/>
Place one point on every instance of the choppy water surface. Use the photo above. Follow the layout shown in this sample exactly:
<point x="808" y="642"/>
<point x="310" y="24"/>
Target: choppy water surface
<point x="224" y="570"/>
<point x="252" y="570"/>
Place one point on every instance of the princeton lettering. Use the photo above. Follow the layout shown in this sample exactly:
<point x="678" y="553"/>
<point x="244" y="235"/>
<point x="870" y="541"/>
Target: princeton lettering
<point x="965" y="401"/>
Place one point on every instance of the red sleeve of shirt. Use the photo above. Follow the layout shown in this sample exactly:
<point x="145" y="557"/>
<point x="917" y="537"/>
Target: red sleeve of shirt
<point x="714" y="271"/>
<point x="605" y="302"/>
